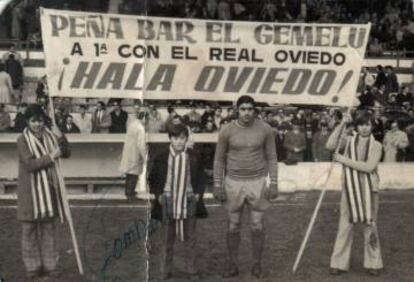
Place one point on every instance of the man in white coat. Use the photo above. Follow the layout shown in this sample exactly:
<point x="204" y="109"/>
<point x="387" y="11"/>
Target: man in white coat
<point x="134" y="153"/>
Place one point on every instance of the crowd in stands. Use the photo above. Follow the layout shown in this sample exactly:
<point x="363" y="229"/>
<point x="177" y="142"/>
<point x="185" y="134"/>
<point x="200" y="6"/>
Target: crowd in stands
<point x="300" y="133"/>
<point x="392" y="20"/>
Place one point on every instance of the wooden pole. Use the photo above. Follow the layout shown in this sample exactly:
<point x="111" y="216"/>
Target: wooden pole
<point x="65" y="199"/>
<point x="319" y="203"/>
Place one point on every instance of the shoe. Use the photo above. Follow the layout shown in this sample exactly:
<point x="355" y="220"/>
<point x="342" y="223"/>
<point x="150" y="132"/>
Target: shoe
<point x="336" y="271"/>
<point x="257" y="271"/>
<point x="232" y="271"/>
<point x="374" y="272"/>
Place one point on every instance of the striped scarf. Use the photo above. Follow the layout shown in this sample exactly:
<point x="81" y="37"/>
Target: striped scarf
<point x="358" y="185"/>
<point x="179" y="189"/>
<point x="47" y="197"/>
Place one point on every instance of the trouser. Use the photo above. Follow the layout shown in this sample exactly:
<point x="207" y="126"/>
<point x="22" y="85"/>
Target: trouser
<point x="38" y="246"/>
<point x="188" y="258"/>
<point x="240" y="193"/>
<point x="341" y="255"/>
<point x="130" y="184"/>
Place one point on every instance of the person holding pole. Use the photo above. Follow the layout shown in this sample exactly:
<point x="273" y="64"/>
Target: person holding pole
<point x="245" y="156"/>
<point x="360" y="199"/>
<point x="40" y="200"/>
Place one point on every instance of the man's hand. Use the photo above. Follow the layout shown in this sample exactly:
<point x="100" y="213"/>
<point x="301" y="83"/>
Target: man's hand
<point x="56" y="131"/>
<point x="56" y="153"/>
<point x="338" y="158"/>
<point x="219" y="193"/>
<point x="272" y="192"/>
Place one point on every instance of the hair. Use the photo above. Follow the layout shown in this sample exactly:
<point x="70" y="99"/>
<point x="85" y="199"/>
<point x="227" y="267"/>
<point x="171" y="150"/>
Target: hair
<point x="102" y="105"/>
<point x="11" y="56"/>
<point x="380" y="67"/>
<point x="2" y="106"/>
<point x="82" y="107"/>
<point x="35" y="111"/>
<point x="170" y="109"/>
<point x="245" y="99"/>
<point x="69" y="116"/>
<point x="143" y="115"/>
<point x="363" y="117"/>
<point x="177" y="130"/>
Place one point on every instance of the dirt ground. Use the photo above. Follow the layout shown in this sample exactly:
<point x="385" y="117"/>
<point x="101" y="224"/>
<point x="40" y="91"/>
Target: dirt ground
<point x="112" y="239"/>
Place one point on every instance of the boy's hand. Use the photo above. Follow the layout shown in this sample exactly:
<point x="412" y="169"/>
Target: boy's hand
<point x="272" y="192"/>
<point x="219" y="193"/>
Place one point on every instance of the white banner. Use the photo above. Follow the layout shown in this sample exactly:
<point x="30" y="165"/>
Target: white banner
<point x="106" y="55"/>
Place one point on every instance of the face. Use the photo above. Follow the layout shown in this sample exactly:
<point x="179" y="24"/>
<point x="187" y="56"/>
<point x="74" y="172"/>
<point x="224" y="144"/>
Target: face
<point x="246" y="113"/>
<point x="36" y="124"/>
<point x="178" y="142"/>
<point x="394" y="126"/>
<point x="69" y="120"/>
<point x="218" y="112"/>
<point x="364" y="129"/>
<point x="99" y="106"/>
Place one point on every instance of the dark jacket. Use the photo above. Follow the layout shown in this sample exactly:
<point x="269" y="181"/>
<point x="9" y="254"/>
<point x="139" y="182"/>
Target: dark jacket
<point x="73" y="129"/>
<point x="28" y="164"/>
<point x="19" y="123"/>
<point x="158" y="170"/>
<point x="119" y="122"/>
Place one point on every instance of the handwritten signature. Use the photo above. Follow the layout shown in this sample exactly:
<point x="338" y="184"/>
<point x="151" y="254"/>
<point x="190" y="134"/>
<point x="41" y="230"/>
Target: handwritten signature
<point x="136" y="232"/>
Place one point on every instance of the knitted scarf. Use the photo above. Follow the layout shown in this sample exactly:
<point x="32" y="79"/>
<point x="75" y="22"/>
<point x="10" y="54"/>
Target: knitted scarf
<point x="47" y="196"/>
<point x="178" y="190"/>
<point x="358" y="185"/>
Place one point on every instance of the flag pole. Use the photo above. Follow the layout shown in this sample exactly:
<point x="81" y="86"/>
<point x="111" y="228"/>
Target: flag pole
<point x="319" y="203"/>
<point x="65" y="200"/>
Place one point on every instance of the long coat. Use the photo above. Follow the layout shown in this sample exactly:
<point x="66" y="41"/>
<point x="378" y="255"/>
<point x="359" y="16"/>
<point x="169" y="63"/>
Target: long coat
<point x="28" y="164"/>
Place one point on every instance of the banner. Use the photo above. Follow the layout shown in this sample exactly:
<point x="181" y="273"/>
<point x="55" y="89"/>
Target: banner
<point x="107" y="55"/>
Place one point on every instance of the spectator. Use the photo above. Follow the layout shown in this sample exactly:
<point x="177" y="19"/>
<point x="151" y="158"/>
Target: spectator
<point x="42" y="88"/>
<point x="211" y="8"/>
<point x="5" y="120"/>
<point x="375" y="48"/>
<point x="217" y="118"/>
<point x="405" y="98"/>
<point x="155" y="123"/>
<point x="295" y="144"/>
<point x="119" y="119"/>
<point x="381" y="77"/>
<point x="395" y="139"/>
<point x="224" y="10"/>
<point x="15" y="69"/>
<point x="366" y="79"/>
<point x="366" y="98"/>
<point x="210" y="127"/>
<point x="83" y="120"/>
<point x="378" y="127"/>
<point x="6" y="86"/>
<point x="194" y="119"/>
<point x="207" y="113"/>
<point x="69" y="126"/>
<point x="409" y="151"/>
<point x="12" y="51"/>
<point x="101" y="119"/>
<point x="20" y="120"/>
<point x="320" y="153"/>
<point x="391" y="82"/>
<point x="280" y="140"/>
<point x="171" y="115"/>
<point x="60" y="118"/>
